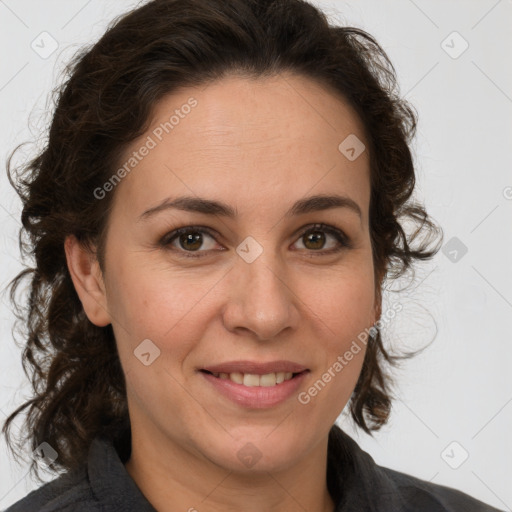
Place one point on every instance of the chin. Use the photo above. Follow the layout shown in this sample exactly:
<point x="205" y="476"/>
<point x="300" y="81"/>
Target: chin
<point x="254" y="450"/>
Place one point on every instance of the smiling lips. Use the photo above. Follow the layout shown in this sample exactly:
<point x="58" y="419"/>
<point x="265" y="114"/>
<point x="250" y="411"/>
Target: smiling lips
<point x="256" y="385"/>
<point x="251" y="374"/>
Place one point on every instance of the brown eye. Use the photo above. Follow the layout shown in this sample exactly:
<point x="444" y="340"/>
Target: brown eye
<point x="188" y="240"/>
<point x="315" y="238"/>
<point x="191" y="241"/>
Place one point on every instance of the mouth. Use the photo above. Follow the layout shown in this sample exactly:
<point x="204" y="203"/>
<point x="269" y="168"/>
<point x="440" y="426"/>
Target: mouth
<point x="254" y="391"/>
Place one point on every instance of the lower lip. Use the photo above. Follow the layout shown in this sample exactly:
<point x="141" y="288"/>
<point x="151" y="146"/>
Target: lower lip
<point x="256" y="397"/>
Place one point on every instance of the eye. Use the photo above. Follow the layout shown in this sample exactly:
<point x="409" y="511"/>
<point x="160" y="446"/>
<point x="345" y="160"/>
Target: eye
<point x="190" y="239"/>
<point x="314" y="238"/>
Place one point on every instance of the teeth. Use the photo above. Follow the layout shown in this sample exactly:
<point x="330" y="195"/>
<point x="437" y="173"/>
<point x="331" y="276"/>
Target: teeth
<point x="236" y="377"/>
<point x="251" y="380"/>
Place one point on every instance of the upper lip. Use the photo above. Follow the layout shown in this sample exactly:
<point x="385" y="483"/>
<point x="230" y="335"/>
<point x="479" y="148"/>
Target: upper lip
<point x="256" y="368"/>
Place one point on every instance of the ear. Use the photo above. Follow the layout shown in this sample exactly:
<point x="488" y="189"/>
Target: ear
<point x="88" y="281"/>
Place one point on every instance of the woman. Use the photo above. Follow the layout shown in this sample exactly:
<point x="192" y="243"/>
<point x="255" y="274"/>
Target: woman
<point x="219" y="202"/>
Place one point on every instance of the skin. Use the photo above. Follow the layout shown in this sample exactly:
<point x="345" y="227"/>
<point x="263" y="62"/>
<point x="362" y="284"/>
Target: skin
<point x="257" y="145"/>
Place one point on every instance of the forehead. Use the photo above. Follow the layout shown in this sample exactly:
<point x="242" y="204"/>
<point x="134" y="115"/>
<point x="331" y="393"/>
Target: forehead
<point x="250" y="141"/>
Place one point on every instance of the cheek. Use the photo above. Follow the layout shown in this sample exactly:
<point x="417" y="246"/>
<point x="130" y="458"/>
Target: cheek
<point x="344" y="303"/>
<point x="150" y="302"/>
<point x="165" y="306"/>
<point x="344" y="310"/>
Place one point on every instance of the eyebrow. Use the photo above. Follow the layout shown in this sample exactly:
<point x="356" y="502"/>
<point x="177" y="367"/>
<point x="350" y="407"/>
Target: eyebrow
<point x="210" y="207"/>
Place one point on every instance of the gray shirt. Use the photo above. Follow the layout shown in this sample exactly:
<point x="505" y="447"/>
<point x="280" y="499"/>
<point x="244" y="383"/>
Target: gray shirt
<point x="355" y="482"/>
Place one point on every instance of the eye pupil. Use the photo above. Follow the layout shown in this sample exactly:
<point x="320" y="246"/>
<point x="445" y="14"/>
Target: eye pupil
<point x="317" y="238"/>
<point x="194" y="238"/>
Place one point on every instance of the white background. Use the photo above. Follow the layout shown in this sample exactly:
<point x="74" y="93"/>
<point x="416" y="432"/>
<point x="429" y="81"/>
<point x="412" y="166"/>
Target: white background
<point x="460" y="388"/>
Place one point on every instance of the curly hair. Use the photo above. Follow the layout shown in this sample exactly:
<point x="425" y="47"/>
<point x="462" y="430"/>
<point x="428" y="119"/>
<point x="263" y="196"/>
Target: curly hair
<point x="77" y="379"/>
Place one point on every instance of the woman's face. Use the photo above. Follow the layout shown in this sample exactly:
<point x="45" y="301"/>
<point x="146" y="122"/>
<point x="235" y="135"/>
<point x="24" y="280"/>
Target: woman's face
<point x="263" y="289"/>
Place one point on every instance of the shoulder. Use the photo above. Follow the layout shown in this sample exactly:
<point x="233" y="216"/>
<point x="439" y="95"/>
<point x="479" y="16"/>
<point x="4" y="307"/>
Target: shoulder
<point x="70" y="492"/>
<point x="358" y="483"/>
<point x="419" y="495"/>
<point x="102" y="483"/>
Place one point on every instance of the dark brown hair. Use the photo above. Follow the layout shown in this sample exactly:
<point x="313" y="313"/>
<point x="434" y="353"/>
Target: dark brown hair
<point x="104" y="103"/>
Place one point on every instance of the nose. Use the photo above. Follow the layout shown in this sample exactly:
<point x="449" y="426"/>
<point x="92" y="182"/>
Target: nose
<point x="260" y="298"/>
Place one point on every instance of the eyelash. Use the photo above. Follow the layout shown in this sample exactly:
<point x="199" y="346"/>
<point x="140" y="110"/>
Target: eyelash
<point x="343" y="240"/>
